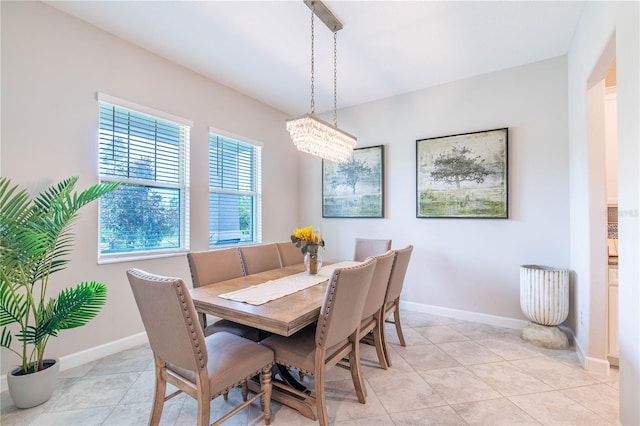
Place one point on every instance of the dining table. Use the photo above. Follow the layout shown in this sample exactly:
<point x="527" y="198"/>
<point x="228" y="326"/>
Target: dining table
<point x="284" y="315"/>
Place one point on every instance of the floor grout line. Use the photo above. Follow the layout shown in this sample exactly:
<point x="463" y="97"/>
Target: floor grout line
<point x="476" y="348"/>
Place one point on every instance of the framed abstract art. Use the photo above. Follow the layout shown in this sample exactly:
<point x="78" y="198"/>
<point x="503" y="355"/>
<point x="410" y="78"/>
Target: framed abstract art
<point x="463" y="176"/>
<point x="355" y="188"/>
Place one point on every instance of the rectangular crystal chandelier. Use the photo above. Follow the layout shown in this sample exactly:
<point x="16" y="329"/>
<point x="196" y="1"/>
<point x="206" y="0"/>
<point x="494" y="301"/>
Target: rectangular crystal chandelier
<point x="319" y="138"/>
<point x="308" y="132"/>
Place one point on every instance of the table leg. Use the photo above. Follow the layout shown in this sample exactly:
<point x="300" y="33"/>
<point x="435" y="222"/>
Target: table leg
<point x="290" y="380"/>
<point x="289" y="399"/>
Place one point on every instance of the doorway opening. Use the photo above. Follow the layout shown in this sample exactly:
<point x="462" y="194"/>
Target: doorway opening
<point x="611" y="161"/>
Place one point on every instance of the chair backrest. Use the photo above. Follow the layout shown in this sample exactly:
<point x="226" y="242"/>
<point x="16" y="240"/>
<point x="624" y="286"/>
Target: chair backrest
<point x="366" y="247"/>
<point x="379" y="283"/>
<point x="262" y="257"/>
<point x="210" y="267"/>
<point x="170" y="319"/>
<point x="343" y="302"/>
<point x="289" y="253"/>
<point x="398" y="272"/>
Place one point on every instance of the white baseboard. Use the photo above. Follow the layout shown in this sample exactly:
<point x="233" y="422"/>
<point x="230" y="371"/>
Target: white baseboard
<point x="596" y="365"/>
<point x="579" y="351"/>
<point x="593" y="365"/>
<point x="70" y="361"/>
<point x="494" y="320"/>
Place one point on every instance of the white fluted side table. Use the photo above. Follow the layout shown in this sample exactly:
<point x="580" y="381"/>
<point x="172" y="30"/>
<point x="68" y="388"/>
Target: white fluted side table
<point x="544" y="299"/>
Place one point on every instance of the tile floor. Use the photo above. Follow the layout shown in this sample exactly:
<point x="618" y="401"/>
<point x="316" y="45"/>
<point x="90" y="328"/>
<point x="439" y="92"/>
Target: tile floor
<point x="451" y="372"/>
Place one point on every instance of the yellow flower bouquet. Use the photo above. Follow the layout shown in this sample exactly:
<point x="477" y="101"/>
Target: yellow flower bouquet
<point x="308" y="239"/>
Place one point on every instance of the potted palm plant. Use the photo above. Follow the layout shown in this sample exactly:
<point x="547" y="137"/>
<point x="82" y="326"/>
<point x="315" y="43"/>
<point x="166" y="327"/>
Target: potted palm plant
<point x="35" y="242"/>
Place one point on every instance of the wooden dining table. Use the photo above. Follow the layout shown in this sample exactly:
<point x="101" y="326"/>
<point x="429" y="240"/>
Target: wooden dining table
<point x="283" y="316"/>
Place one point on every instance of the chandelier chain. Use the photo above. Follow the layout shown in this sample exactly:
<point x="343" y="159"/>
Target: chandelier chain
<point x="335" y="78"/>
<point x="313" y="104"/>
<point x="308" y="133"/>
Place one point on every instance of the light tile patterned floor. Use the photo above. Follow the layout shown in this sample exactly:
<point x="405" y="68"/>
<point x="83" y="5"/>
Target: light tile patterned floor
<point x="451" y="372"/>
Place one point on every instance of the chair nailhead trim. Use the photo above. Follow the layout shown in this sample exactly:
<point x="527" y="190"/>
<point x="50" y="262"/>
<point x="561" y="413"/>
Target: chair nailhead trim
<point x="185" y="309"/>
<point x="227" y="389"/>
<point x="295" y="367"/>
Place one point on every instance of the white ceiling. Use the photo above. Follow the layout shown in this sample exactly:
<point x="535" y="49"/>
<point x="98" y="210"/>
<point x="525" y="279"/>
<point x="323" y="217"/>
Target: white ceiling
<point x="263" y="48"/>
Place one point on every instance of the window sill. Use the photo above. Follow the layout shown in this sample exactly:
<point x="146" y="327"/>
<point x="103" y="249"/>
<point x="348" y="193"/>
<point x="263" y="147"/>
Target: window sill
<point x="120" y="258"/>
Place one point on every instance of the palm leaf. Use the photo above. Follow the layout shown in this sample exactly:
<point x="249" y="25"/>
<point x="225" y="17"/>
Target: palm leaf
<point x="5" y="339"/>
<point x="13" y="307"/>
<point x="60" y="208"/>
<point x="63" y="206"/>
<point x="21" y="251"/>
<point x="45" y="317"/>
<point x="75" y="307"/>
<point x="47" y="199"/>
<point x="27" y="334"/>
<point x="13" y="205"/>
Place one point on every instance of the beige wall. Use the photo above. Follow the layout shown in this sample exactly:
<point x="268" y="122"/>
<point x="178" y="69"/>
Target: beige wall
<point x="465" y="264"/>
<point x="607" y="31"/>
<point x="52" y="67"/>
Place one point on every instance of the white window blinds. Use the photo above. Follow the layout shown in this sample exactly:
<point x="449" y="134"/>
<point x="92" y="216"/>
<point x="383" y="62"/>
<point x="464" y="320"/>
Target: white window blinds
<point x="148" y="213"/>
<point x="234" y="191"/>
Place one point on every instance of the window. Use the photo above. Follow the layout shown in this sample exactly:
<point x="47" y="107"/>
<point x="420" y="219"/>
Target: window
<point x="235" y="200"/>
<point x="148" y="214"/>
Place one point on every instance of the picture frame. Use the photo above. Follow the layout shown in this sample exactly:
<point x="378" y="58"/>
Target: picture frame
<point x="355" y="188"/>
<point x="463" y="176"/>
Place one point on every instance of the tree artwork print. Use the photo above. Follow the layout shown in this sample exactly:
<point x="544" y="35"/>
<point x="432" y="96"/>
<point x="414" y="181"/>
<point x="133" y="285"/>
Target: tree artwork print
<point x="354" y="188"/>
<point x="462" y="176"/>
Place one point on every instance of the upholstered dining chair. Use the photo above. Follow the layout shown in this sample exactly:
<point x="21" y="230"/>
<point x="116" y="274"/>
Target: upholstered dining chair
<point x="316" y="348"/>
<point x="289" y="254"/>
<point x="366" y="247"/>
<point x="202" y="367"/>
<point x="392" y="298"/>
<point x="262" y="257"/>
<point x="372" y="313"/>
<point x="211" y="267"/>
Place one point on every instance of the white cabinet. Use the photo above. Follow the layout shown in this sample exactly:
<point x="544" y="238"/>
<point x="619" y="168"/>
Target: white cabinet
<point x="613" y="314"/>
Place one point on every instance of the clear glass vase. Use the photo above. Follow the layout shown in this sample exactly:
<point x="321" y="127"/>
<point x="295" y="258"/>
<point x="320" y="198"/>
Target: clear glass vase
<point x="313" y="263"/>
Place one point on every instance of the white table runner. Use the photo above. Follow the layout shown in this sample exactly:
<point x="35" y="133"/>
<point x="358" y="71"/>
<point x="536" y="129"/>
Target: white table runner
<point x="262" y="293"/>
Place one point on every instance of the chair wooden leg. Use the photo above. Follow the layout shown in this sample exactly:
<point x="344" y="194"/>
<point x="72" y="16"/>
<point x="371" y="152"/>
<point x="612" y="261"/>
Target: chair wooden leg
<point x="321" y="402"/>
<point x="356" y="374"/>
<point x="385" y="345"/>
<point x="396" y="320"/>
<point x="244" y="390"/>
<point x="265" y="401"/>
<point x="204" y="400"/>
<point x="158" y="397"/>
<point x="204" y="410"/>
<point x="378" y="342"/>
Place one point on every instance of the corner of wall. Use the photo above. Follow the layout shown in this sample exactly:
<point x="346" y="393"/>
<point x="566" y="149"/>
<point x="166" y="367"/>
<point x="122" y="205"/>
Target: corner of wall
<point x="590" y="364"/>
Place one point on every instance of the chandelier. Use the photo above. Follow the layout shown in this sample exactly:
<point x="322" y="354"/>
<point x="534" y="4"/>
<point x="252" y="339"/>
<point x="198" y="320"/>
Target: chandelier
<point x="309" y="133"/>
